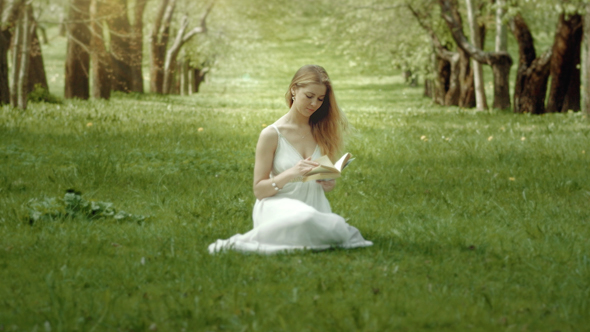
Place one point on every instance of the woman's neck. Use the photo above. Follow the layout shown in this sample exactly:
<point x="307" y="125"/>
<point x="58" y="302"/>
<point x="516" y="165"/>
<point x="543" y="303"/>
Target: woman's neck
<point x="293" y="117"/>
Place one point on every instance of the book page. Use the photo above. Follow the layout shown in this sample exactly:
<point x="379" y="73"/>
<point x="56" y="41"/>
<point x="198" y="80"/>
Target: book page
<point x="342" y="162"/>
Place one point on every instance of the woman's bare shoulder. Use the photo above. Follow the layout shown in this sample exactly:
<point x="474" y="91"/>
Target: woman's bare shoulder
<point x="268" y="136"/>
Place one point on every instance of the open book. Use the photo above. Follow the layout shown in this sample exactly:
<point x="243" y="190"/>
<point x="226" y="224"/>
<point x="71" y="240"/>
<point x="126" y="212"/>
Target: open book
<point x="326" y="170"/>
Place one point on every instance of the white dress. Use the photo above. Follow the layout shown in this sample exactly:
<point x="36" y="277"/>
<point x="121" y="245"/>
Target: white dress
<point x="297" y="217"/>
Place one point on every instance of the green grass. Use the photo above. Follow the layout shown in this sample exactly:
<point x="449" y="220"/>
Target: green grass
<point x="479" y="219"/>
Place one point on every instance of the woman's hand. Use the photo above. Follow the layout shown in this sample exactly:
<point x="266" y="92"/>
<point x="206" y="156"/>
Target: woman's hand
<point x="303" y="166"/>
<point x="327" y="185"/>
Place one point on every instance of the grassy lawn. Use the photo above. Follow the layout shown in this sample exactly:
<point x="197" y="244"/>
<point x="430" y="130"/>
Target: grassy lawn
<point x="479" y="219"/>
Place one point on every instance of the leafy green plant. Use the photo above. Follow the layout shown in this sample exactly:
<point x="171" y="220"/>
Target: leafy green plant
<point x="72" y="206"/>
<point x="42" y="95"/>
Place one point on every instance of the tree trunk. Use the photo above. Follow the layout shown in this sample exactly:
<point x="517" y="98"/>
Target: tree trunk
<point x="100" y="60"/>
<point x="136" y="47"/>
<point x="448" y="86"/>
<point x="467" y="84"/>
<point x="441" y="84"/>
<point x="4" y="87"/>
<point x="37" y="76"/>
<point x="5" y="36"/>
<point x="27" y="27"/>
<point x="480" y="93"/>
<point x="11" y="12"/>
<point x="158" y="42"/>
<point x="564" y="92"/>
<point x="179" y="41"/>
<point x="198" y="75"/>
<point x="466" y="78"/>
<point x="532" y="73"/>
<point x="502" y="70"/>
<point x="587" y="60"/>
<point x="454" y="92"/>
<point x="121" y="56"/>
<point x="17" y="40"/>
<point x="501" y="60"/>
<point x="501" y="31"/>
<point x="78" y="56"/>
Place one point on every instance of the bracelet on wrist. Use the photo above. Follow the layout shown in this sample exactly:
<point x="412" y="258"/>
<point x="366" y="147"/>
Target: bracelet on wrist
<point x="274" y="185"/>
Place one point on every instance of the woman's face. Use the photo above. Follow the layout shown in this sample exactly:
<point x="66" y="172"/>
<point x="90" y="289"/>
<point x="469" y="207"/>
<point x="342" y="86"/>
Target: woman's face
<point x="309" y="98"/>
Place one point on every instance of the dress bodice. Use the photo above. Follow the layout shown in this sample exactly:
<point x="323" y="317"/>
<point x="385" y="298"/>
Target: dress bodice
<point x="310" y="193"/>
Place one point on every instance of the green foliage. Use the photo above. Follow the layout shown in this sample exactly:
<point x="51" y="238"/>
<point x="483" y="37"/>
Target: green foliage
<point x="41" y="94"/>
<point x="73" y="207"/>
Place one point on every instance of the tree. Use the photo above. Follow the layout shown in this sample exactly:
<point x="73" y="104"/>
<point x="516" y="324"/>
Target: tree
<point x="158" y="41"/>
<point x="587" y="59"/>
<point x="100" y="61"/>
<point x="126" y="45"/>
<point x="499" y="61"/>
<point x="564" y="93"/>
<point x="136" y="47"/>
<point x="501" y="31"/>
<point x="480" y="93"/>
<point x="37" y="77"/>
<point x="78" y="55"/>
<point x="179" y="41"/>
<point x="163" y="61"/>
<point x="4" y="46"/>
<point x="532" y="73"/>
<point x="24" y="29"/>
<point x="458" y="87"/>
<point x="447" y="85"/>
<point x="11" y="13"/>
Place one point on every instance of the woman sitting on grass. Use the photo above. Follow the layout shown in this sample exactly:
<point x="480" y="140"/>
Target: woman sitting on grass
<point x="290" y="214"/>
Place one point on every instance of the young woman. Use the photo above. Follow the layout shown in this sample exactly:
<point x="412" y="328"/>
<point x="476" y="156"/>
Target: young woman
<point x="290" y="214"/>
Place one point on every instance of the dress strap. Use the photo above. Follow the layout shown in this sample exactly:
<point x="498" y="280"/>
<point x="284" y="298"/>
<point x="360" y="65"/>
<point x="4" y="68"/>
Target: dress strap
<point x="277" y="129"/>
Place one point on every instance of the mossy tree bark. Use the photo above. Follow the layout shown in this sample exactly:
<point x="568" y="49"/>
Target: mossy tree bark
<point x="564" y="93"/>
<point x="532" y="73"/>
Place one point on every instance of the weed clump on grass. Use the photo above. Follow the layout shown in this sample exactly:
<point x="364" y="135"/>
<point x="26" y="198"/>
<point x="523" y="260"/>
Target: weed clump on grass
<point x="73" y="206"/>
<point x="42" y="95"/>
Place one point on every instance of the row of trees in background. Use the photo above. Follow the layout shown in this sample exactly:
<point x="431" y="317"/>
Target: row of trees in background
<point x="18" y="35"/>
<point x="561" y="62"/>
<point x="120" y="69"/>
<point x="105" y="41"/>
<point x="445" y="42"/>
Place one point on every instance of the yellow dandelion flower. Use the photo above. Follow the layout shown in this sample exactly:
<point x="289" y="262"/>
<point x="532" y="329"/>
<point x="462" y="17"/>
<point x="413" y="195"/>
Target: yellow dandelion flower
<point x="89" y="124"/>
<point x="523" y="138"/>
<point x="583" y="151"/>
<point x="424" y="138"/>
<point x="200" y="129"/>
<point x="490" y="138"/>
<point x="512" y="179"/>
<point x="264" y="125"/>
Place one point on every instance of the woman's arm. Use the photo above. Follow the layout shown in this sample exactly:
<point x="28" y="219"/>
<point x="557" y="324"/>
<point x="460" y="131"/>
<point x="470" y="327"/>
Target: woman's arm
<point x="265" y="151"/>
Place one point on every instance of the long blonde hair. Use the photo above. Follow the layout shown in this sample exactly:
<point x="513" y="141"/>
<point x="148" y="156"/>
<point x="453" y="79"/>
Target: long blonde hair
<point x="328" y="123"/>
